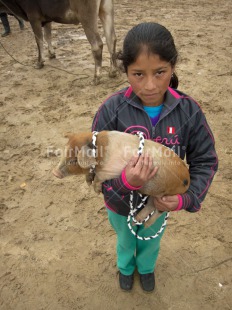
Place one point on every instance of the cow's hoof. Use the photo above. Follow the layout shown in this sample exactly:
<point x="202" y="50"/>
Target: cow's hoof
<point x="113" y="73"/>
<point x="52" y="55"/>
<point x="39" y="65"/>
<point x="96" y="80"/>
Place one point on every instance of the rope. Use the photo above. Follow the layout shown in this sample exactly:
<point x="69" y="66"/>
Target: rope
<point x="150" y="237"/>
<point x="142" y="204"/>
<point x="94" y="150"/>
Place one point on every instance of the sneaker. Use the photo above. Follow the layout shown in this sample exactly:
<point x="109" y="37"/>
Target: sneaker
<point x="147" y="281"/>
<point x="126" y="282"/>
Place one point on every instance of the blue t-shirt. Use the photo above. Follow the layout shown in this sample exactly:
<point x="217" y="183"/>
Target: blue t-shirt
<point x="154" y="113"/>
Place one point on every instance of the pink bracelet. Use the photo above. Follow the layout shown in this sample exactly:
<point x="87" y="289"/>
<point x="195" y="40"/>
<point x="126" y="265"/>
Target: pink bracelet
<point x="180" y="204"/>
<point x="124" y="180"/>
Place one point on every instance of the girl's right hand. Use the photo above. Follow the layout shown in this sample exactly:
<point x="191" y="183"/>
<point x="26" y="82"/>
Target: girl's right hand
<point x="139" y="170"/>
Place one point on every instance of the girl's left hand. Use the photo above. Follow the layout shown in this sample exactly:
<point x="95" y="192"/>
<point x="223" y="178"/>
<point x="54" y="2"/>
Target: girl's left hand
<point x="166" y="203"/>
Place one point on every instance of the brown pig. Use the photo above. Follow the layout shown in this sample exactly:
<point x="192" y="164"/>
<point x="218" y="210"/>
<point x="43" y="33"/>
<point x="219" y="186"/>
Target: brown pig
<point x="114" y="150"/>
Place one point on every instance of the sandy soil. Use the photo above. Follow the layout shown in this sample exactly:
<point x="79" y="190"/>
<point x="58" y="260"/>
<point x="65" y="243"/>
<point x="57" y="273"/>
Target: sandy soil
<point x="57" y="250"/>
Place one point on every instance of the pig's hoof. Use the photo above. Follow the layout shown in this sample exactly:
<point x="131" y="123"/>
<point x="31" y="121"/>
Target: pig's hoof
<point x="97" y="187"/>
<point x="113" y="73"/>
<point x="97" y="191"/>
<point x="96" y="80"/>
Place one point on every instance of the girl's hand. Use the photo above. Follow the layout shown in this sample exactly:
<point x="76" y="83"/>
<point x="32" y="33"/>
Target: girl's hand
<point x="166" y="203"/>
<point x="139" y="170"/>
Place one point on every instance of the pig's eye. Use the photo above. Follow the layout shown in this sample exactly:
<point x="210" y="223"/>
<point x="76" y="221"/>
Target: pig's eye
<point x="72" y="161"/>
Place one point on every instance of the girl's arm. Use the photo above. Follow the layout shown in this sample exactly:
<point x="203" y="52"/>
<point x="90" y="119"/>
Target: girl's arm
<point x="203" y="164"/>
<point x="106" y="119"/>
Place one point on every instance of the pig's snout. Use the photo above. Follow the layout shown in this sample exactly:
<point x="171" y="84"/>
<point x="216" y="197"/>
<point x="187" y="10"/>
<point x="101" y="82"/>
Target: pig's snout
<point x="57" y="173"/>
<point x="61" y="170"/>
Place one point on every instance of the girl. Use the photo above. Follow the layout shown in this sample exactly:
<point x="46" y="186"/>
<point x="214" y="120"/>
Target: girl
<point x="152" y="104"/>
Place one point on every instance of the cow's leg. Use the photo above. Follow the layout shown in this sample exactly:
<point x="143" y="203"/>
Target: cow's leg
<point x="48" y="39"/>
<point x="96" y="46"/>
<point x="106" y="15"/>
<point x="89" y="21"/>
<point x="37" y="29"/>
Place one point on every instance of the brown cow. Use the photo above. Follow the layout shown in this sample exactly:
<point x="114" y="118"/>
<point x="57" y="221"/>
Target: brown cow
<point x="40" y="13"/>
<point x="114" y="150"/>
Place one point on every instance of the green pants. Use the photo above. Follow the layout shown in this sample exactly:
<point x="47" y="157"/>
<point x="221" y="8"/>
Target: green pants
<point x="132" y="252"/>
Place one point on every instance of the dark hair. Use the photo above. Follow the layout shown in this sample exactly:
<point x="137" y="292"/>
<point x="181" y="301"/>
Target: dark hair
<point x="156" y="39"/>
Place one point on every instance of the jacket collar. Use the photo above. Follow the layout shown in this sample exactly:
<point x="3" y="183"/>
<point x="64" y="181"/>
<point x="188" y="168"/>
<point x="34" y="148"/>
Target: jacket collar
<point x="172" y="98"/>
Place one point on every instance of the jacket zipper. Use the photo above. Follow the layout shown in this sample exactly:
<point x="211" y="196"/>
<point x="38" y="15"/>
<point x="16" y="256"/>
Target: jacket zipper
<point x="153" y="128"/>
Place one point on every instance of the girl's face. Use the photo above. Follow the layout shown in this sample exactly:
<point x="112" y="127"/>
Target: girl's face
<point x="149" y="77"/>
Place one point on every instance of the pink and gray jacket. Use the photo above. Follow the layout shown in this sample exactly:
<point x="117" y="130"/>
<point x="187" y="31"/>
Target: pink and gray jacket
<point x="182" y="127"/>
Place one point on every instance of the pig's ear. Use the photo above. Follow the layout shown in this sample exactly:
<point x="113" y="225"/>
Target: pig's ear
<point x="85" y="157"/>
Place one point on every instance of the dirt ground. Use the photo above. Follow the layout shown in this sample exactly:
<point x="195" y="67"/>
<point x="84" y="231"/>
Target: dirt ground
<point x="57" y="250"/>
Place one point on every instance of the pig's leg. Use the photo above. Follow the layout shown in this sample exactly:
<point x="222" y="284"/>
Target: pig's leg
<point x="97" y="185"/>
<point x="89" y="178"/>
<point x="155" y="215"/>
<point x="146" y="211"/>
